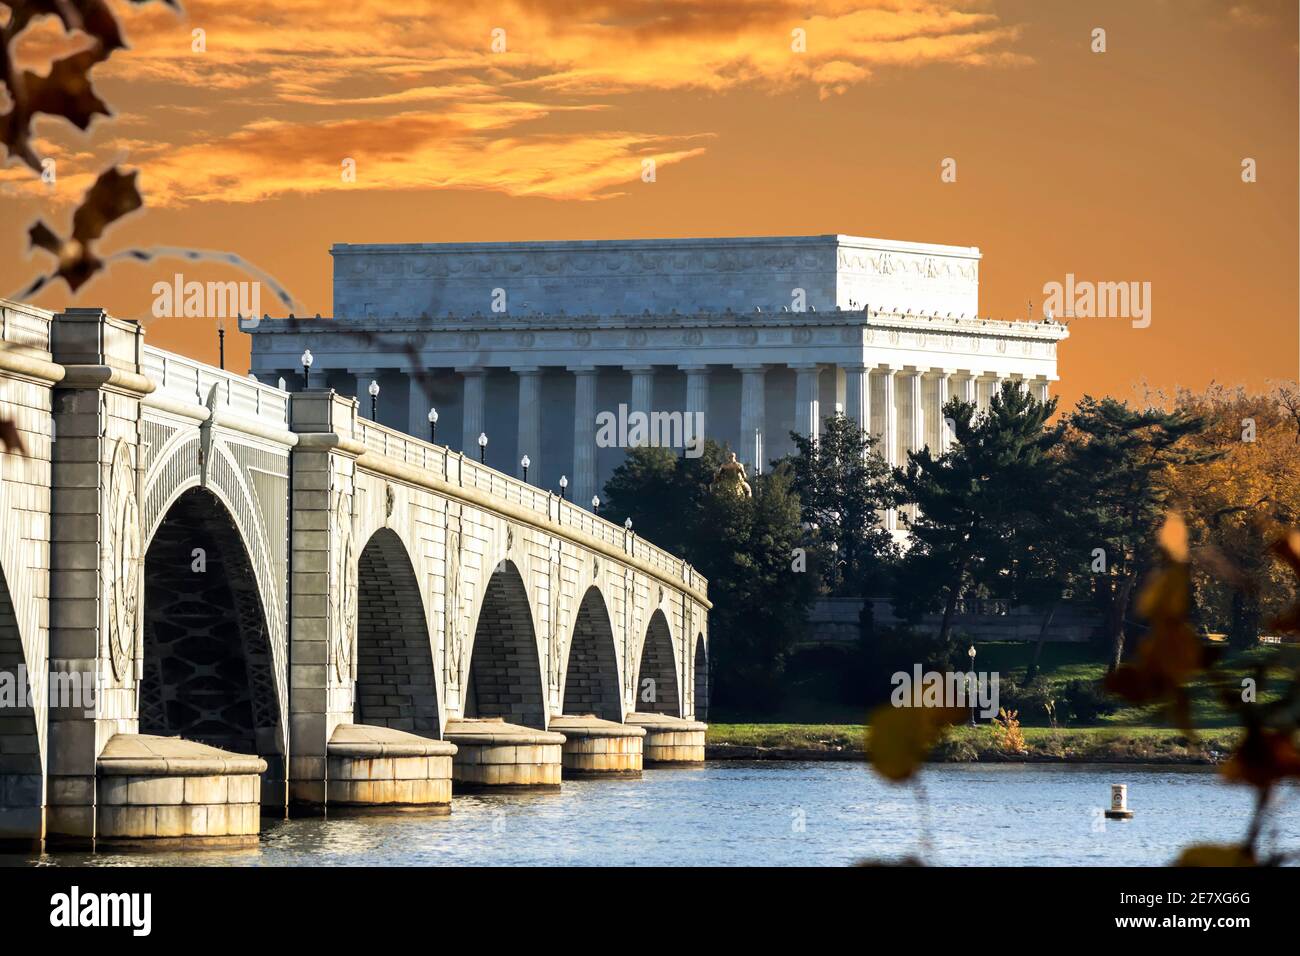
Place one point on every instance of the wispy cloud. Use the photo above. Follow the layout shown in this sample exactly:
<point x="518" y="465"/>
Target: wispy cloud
<point x="422" y="99"/>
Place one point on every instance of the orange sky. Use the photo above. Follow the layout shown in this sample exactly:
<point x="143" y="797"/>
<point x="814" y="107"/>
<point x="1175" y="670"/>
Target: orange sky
<point x="1115" y="166"/>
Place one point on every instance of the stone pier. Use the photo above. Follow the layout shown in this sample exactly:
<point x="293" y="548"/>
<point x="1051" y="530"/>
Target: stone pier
<point x="491" y="753"/>
<point x="165" y="791"/>
<point x="599" y="748"/>
<point x="374" y="770"/>
<point x="670" y="740"/>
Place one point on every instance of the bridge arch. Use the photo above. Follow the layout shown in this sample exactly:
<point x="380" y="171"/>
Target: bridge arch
<point x="209" y="669"/>
<point x="701" y="678"/>
<point x="591" y="672"/>
<point x="254" y="499"/>
<point x="505" y="672"/>
<point x="396" y="684"/>
<point x="658" y="664"/>
<point x="21" y="787"/>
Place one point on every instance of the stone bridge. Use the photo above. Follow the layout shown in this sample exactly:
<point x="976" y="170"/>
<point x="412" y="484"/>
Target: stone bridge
<point x="218" y="595"/>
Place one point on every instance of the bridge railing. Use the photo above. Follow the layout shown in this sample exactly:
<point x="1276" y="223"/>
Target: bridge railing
<point x="24" y="327"/>
<point x="185" y="380"/>
<point x="463" y="470"/>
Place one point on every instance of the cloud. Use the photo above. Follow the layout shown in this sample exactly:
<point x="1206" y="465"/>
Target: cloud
<point x="423" y="100"/>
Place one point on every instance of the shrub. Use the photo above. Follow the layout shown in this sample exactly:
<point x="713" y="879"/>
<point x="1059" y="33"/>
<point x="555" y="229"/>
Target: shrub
<point x="1084" y="701"/>
<point x="1006" y="732"/>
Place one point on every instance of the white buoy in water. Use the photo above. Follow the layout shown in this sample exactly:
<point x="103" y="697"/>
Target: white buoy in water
<point x="1118" y="809"/>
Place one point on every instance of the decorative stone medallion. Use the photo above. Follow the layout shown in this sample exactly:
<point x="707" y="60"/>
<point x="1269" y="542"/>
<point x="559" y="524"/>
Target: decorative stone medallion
<point x="345" y="578"/>
<point x="452" y="634"/>
<point x="122" y="563"/>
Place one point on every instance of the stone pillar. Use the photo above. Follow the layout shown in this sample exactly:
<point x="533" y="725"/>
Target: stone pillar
<point x="807" y="400"/>
<point x="857" y="395"/>
<point x="697" y="404"/>
<point x="363" y="376"/>
<point x="323" y="503"/>
<point x="889" y="432"/>
<point x="97" y="551"/>
<point x="943" y="439"/>
<point x="419" y="401"/>
<point x="753" y="415"/>
<point x="472" y="413"/>
<point x="643" y="388"/>
<point x="968" y="389"/>
<point x="530" y="417"/>
<point x="889" y="417"/>
<point x="915" y="410"/>
<point x="988" y="385"/>
<point x="1039" y="388"/>
<point x="584" y="435"/>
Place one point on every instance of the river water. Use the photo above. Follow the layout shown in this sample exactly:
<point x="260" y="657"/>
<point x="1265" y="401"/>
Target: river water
<point x="780" y="813"/>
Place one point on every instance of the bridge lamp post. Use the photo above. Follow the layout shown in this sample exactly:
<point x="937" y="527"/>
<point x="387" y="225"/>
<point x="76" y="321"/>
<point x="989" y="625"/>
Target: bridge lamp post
<point x="374" y="400"/>
<point x="524" y="463"/>
<point x="564" y="484"/>
<point x="221" y="341"/>
<point x="627" y="523"/>
<point x="971" y="654"/>
<point x="595" y="504"/>
<point x="306" y="368"/>
<point x="482" y="448"/>
<point x="433" y="426"/>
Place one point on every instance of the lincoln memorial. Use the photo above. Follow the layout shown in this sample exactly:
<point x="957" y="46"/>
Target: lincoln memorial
<point x="528" y="343"/>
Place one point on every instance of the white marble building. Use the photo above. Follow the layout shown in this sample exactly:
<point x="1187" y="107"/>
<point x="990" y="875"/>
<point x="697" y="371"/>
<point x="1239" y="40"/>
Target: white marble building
<point x="529" y="342"/>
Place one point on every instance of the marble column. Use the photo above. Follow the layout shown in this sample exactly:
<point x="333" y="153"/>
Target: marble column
<point x="807" y="400"/>
<point x="889" y="431"/>
<point x="942" y="434"/>
<point x="753" y="397"/>
<point x="988" y="384"/>
<point x="473" y="421"/>
<point x="643" y="388"/>
<point x="915" y="410"/>
<point x="418" y="404"/>
<point x="363" y="376"/>
<point x="1040" y="389"/>
<point x="583" y="480"/>
<point x="889" y="417"/>
<point x="857" y="395"/>
<point x="530" y="418"/>
<point x="697" y="403"/>
<point x="968" y="393"/>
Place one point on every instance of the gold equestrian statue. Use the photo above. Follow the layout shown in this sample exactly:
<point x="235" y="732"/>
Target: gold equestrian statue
<point x="732" y="473"/>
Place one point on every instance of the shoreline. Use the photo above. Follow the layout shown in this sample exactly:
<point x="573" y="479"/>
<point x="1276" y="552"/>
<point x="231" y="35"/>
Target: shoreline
<point x="1098" y="745"/>
<point x="728" y="752"/>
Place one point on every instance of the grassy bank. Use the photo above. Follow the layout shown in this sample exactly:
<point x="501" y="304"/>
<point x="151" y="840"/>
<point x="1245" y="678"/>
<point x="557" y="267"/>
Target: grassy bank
<point x="1082" y="744"/>
<point x="816" y="721"/>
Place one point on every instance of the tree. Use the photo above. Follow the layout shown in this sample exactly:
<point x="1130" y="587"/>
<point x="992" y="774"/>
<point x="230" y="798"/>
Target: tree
<point x="975" y="502"/>
<point x="844" y="486"/>
<point x="1240" y="501"/>
<point x="746" y="547"/>
<point x="1117" y="464"/>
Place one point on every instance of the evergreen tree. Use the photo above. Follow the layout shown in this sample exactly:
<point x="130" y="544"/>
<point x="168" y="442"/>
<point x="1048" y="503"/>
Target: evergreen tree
<point x="746" y="547"/>
<point x="1117" y="464"/>
<point x="977" y="503"/>
<point x="844" y="485"/>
